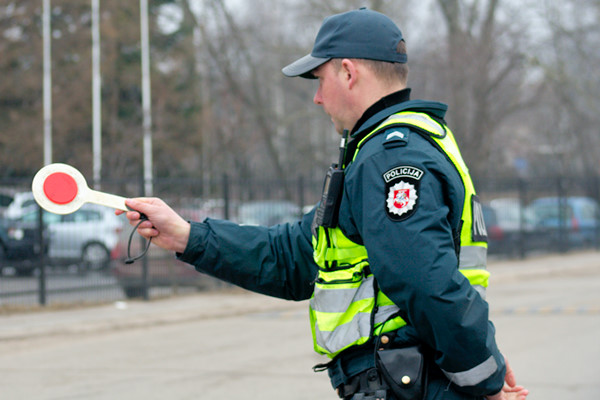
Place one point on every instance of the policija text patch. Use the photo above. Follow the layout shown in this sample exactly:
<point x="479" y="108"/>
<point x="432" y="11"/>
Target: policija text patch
<point x="402" y="189"/>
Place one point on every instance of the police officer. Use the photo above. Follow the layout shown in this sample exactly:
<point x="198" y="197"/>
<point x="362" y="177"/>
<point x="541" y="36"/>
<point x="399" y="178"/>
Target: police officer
<point x="393" y="257"/>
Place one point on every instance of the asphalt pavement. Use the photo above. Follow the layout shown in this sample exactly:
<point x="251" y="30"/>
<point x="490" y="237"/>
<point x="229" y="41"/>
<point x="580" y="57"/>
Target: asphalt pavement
<point x="236" y="344"/>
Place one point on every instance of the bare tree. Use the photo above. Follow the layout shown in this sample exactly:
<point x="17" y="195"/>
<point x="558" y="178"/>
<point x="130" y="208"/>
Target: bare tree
<point x="20" y="88"/>
<point x="485" y="65"/>
<point x="251" y="110"/>
<point x="221" y="104"/>
<point x="570" y="70"/>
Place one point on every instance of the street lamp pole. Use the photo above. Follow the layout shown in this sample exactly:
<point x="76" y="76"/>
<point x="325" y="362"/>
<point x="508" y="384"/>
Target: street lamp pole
<point x="146" y="100"/>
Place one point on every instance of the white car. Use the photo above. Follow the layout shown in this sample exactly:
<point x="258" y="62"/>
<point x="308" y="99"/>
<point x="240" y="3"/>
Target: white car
<point x="22" y="203"/>
<point x="6" y="197"/>
<point x="89" y="237"/>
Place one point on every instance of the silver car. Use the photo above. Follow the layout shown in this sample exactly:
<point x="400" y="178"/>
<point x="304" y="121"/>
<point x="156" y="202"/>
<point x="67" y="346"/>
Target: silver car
<point x="89" y="237"/>
<point x="268" y="212"/>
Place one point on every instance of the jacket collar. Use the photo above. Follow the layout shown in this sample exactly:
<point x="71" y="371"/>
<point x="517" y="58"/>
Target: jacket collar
<point x="385" y="107"/>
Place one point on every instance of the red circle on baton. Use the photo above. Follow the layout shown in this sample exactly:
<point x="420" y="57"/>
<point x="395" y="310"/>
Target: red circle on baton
<point x="60" y="188"/>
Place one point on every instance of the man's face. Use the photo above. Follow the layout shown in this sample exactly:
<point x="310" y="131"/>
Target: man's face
<point x="332" y="95"/>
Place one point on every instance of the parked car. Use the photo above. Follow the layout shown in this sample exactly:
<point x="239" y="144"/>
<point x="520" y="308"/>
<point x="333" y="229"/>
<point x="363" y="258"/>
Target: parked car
<point x="22" y="203"/>
<point x="510" y="212"/>
<point x="268" y="212"/>
<point x="6" y="197"/>
<point x="566" y="222"/>
<point x="496" y="238"/>
<point x="19" y="246"/>
<point x="514" y="225"/>
<point x="163" y="271"/>
<point x="89" y="237"/>
<point x="196" y="209"/>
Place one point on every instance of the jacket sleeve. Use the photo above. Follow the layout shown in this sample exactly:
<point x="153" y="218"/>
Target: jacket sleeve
<point x="416" y="266"/>
<point x="276" y="261"/>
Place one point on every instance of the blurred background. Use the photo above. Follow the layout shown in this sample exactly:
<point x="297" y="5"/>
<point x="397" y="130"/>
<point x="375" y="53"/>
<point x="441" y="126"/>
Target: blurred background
<point x="185" y="100"/>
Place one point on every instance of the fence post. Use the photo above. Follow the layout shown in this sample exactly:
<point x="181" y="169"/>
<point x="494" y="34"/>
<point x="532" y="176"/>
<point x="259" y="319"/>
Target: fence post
<point x="145" y="283"/>
<point x="301" y="193"/>
<point x="596" y="185"/>
<point x="42" y="258"/>
<point x="226" y="202"/>
<point x="522" y="242"/>
<point x="563" y="238"/>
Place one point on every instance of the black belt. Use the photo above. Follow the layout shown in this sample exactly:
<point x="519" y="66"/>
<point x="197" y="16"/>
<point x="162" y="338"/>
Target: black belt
<point x="399" y="373"/>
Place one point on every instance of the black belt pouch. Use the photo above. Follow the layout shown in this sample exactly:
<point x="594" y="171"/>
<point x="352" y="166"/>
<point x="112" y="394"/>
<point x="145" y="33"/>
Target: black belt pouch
<point x="404" y="370"/>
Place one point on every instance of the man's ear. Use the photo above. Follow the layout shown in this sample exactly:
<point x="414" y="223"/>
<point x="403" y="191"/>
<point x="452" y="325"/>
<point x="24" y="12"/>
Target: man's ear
<point x="350" y="72"/>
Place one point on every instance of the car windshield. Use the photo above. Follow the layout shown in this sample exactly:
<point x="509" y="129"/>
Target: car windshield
<point x="5" y="200"/>
<point x="49" y="218"/>
<point x="551" y="212"/>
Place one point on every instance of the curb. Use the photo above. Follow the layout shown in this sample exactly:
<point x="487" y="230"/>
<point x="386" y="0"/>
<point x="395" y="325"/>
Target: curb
<point x="137" y="314"/>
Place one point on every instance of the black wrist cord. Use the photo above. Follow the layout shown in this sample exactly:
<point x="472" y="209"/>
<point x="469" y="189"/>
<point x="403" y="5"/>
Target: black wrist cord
<point x="129" y="259"/>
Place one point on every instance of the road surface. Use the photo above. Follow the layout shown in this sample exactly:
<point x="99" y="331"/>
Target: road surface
<point x="236" y="345"/>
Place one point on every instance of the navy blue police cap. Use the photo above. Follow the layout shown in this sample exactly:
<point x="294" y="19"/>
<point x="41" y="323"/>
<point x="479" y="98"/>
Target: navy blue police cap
<point x="362" y="33"/>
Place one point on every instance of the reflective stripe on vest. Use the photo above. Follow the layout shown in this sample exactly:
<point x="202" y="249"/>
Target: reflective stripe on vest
<point x="342" y="317"/>
<point x="342" y="308"/>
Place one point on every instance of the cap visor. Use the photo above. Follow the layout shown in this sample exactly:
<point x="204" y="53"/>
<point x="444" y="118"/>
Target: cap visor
<point x="304" y="66"/>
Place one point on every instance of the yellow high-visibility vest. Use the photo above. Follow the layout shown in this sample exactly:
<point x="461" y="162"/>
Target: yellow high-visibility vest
<point x="347" y="308"/>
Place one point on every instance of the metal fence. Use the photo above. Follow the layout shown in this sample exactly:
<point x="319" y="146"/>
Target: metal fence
<point x="83" y="255"/>
<point x="550" y="214"/>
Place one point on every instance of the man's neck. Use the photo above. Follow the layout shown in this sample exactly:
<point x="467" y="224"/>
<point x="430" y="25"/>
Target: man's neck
<point x="383" y="103"/>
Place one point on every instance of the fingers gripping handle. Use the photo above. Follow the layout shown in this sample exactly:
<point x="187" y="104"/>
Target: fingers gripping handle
<point x="111" y="200"/>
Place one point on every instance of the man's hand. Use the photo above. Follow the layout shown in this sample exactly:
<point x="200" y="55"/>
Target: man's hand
<point x="166" y="228"/>
<point x="510" y="391"/>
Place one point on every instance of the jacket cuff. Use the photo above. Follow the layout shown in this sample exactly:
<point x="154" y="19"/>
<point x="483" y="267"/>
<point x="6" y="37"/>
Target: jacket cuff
<point x="485" y="379"/>
<point x="196" y="243"/>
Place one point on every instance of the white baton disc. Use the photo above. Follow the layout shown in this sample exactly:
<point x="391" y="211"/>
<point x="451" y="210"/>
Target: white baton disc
<point x="62" y="189"/>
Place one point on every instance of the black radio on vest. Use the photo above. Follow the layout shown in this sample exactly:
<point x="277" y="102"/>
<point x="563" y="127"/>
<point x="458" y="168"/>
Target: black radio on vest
<point x="326" y="214"/>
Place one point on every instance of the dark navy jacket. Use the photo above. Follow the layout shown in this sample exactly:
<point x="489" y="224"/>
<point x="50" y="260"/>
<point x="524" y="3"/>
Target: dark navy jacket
<point x="414" y="260"/>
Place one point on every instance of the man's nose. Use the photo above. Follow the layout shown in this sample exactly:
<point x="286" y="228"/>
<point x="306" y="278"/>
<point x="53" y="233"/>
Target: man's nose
<point x="317" y="99"/>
